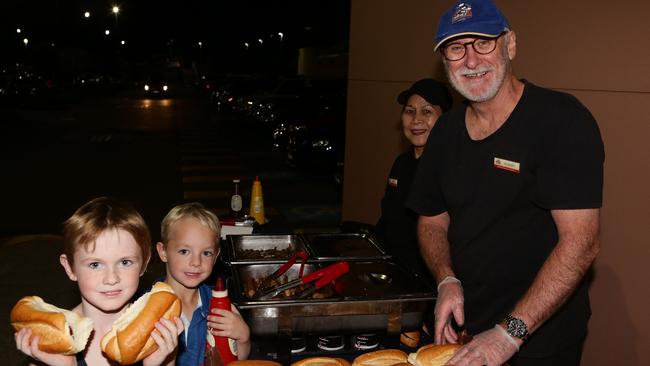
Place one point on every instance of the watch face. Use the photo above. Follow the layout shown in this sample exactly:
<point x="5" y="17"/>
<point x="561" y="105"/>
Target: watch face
<point x="516" y="327"/>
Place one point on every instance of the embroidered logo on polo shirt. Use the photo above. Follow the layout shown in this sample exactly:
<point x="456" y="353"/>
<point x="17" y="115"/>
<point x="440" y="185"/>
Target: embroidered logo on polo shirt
<point x="392" y="182"/>
<point x="463" y="11"/>
<point x="511" y="166"/>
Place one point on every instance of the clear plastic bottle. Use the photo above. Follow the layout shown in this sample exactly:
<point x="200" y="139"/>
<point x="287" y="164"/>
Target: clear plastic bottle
<point x="236" y="202"/>
<point x="219" y="350"/>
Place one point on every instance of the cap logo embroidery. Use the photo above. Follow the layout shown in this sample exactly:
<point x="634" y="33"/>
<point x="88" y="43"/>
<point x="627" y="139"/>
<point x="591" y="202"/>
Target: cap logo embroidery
<point x="463" y="11"/>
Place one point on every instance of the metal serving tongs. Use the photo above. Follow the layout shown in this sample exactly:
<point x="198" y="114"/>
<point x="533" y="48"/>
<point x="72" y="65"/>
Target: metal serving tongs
<point x="267" y="282"/>
<point x="320" y="278"/>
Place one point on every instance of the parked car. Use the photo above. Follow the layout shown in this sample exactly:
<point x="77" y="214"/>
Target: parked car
<point x="231" y="93"/>
<point x="315" y="141"/>
<point x="288" y="94"/>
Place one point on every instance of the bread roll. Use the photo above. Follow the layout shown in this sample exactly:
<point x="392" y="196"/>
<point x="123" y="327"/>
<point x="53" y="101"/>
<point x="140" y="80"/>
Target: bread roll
<point x="410" y="339"/>
<point x="433" y="355"/>
<point x="321" y="361"/>
<point x="385" y="357"/>
<point x="129" y="340"/>
<point x="60" y="331"/>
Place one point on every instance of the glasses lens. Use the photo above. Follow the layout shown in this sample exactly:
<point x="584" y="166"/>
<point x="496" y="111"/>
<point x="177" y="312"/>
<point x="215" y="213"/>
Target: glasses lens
<point x="454" y="51"/>
<point x="484" y="46"/>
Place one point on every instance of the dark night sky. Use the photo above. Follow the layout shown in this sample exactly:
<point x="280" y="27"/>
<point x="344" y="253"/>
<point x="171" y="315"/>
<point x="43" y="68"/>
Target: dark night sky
<point x="157" y="21"/>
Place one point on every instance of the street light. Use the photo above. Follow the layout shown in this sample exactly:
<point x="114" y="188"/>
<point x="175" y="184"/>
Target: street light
<point x="18" y="30"/>
<point x="87" y="14"/>
<point x="115" y="9"/>
<point x="25" y="41"/>
<point x="107" y="32"/>
<point x="123" y="43"/>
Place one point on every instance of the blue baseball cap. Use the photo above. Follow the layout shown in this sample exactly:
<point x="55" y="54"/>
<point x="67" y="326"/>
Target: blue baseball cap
<point x="471" y="18"/>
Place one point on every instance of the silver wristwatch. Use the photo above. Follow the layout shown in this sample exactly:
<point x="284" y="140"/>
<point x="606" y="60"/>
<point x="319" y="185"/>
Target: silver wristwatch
<point x="516" y="327"/>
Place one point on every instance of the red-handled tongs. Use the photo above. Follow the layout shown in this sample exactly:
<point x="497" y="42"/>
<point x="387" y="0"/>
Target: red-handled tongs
<point x="342" y="268"/>
<point x="268" y="281"/>
<point x="320" y="278"/>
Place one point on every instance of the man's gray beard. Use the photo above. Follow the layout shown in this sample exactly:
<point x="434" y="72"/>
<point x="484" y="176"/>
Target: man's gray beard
<point x="477" y="98"/>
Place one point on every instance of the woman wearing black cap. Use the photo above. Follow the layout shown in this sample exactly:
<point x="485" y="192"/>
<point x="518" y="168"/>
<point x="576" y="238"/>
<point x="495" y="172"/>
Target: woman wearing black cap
<point x="422" y="104"/>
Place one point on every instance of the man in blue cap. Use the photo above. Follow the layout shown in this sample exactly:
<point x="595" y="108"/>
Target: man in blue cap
<point x="509" y="191"/>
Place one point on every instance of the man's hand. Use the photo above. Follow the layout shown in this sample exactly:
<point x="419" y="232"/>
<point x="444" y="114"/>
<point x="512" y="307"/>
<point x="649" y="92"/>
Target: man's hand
<point x="450" y="302"/>
<point x="493" y="347"/>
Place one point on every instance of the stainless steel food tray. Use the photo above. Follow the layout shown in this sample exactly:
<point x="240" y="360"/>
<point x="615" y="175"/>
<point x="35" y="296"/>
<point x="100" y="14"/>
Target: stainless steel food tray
<point x="251" y="249"/>
<point x="345" y="246"/>
<point x="373" y="296"/>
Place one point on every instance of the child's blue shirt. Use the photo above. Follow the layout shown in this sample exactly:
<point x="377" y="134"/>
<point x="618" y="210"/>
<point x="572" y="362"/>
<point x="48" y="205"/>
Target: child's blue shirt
<point x="191" y="352"/>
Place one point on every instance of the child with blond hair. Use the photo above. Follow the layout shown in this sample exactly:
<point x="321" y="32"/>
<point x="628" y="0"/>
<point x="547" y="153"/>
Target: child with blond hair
<point x="189" y="248"/>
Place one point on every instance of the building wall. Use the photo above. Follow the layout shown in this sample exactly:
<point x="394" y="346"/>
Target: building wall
<point x="594" y="49"/>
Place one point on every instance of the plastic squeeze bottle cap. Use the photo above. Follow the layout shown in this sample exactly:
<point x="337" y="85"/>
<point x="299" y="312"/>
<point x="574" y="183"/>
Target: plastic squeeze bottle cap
<point x="220" y="286"/>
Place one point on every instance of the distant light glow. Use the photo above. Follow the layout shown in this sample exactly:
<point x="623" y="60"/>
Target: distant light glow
<point x="165" y="87"/>
<point x="18" y="30"/>
<point x="200" y="44"/>
<point x="25" y="41"/>
<point x="246" y="45"/>
<point x="87" y="14"/>
<point x="107" y="32"/>
<point x="281" y="35"/>
<point x="123" y="43"/>
<point x="116" y="9"/>
<point x="260" y="41"/>
<point x="146" y="87"/>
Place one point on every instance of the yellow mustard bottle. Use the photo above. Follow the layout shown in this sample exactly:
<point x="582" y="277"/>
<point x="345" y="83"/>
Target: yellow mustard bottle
<point x="257" y="202"/>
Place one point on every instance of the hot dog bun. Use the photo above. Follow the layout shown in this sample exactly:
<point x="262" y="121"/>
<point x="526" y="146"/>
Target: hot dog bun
<point x="410" y="339"/>
<point x="129" y="340"/>
<point x="60" y="331"/>
<point x="433" y="355"/>
<point x="385" y="357"/>
<point x="321" y="361"/>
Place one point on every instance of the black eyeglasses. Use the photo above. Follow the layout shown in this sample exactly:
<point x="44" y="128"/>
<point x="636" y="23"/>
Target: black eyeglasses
<point x="456" y="51"/>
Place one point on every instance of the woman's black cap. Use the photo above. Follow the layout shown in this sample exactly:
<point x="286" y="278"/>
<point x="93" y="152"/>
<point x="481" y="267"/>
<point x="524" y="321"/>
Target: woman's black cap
<point x="431" y="90"/>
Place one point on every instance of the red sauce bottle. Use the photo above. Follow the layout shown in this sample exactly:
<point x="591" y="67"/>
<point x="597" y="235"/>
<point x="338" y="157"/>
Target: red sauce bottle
<point x="219" y="350"/>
